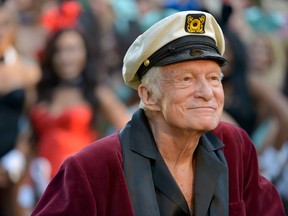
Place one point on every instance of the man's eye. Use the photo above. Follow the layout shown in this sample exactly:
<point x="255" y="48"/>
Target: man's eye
<point x="214" y="78"/>
<point x="186" y="79"/>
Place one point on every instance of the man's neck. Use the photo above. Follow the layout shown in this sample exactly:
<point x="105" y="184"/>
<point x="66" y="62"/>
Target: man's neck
<point x="175" y="145"/>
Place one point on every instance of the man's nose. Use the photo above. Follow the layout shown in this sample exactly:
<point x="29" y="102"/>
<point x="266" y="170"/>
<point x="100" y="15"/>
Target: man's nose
<point x="203" y="90"/>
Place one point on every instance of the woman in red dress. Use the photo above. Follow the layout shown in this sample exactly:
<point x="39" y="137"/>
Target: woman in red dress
<point x="71" y="104"/>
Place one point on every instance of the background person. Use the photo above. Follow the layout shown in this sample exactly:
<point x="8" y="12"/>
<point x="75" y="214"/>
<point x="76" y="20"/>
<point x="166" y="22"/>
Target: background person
<point x="70" y="107"/>
<point x="18" y="78"/>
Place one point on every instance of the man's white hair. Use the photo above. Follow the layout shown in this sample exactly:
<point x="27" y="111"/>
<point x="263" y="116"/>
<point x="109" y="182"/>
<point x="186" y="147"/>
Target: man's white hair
<point x="152" y="79"/>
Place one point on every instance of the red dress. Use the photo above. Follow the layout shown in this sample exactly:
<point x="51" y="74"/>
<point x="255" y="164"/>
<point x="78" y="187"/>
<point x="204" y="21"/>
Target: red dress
<point x="63" y="135"/>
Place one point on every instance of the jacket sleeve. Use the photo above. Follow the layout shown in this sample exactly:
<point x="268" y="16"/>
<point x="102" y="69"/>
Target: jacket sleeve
<point x="249" y="192"/>
<point x="260" y="196"/>
<point x="69" y="193"/>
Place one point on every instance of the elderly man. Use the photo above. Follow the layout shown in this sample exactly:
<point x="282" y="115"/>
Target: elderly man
<point x="173" y="157"/>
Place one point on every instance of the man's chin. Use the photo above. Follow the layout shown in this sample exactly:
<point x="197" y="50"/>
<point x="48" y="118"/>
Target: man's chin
<point x="207" y="125"/>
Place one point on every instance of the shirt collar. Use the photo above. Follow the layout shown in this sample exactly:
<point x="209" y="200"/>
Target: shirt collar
<point x="142" y="140"/>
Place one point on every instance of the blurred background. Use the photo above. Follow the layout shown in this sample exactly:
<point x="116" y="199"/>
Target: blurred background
<point x="61" y="85"/>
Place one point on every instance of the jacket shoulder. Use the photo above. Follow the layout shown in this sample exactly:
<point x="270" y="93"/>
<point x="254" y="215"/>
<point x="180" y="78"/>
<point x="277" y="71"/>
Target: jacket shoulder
<point x="237" y="142"/>
<point x="229" y="131"/>
<point x="101" y="152"/>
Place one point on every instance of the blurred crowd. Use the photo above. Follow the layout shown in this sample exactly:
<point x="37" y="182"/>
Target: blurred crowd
<point x="61" y="84"/>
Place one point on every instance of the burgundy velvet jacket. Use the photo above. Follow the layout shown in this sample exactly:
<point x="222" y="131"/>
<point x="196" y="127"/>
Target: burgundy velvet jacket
<point x="92" y="182"/>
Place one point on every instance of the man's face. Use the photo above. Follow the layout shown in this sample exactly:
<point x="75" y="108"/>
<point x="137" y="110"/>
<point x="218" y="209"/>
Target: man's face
<point x="192" y="96"/>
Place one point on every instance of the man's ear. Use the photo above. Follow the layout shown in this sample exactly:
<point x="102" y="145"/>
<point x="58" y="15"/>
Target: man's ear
<point x="149" y="100"/>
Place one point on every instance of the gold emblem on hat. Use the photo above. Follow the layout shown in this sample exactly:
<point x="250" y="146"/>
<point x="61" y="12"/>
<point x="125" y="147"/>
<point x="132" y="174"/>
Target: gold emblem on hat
<point x="195" y="23"/>
<point x="196" y="52"/>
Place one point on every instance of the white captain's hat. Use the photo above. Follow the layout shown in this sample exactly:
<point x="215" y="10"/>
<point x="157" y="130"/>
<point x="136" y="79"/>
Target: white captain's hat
<point x="183" y="36"/>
